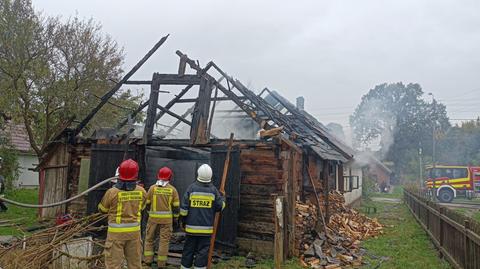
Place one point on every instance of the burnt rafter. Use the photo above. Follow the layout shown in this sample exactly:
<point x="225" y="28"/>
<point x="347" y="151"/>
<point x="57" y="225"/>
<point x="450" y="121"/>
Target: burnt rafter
<point x="104" y="99"/>
<point x="178" y="117"/>
<point x="240" y="101"/>
<point x="184" y="115"/>
<point x="317" y="129"/>
<point x="193" y="100"/>
<point x="173" y="102"/>
<point x="267" y="116"/>
<point x="132" y="115"/>
<point x="255" y="106"/>
<point x="169" y="79"/>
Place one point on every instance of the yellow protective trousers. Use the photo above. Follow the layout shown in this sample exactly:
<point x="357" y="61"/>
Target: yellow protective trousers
<point x="116" y="251"/>
<point x="162" y="231"/>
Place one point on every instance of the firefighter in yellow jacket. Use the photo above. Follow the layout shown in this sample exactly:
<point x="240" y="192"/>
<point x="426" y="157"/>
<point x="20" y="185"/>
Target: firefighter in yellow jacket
<point x="124" y="203"/>
<point x="164" y="211"/>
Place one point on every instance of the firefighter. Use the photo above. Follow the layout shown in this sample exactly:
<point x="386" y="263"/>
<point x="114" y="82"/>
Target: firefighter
<point x="164" y="210"/>
<point x="123" y="203"/>
<point x="199" y="204"/>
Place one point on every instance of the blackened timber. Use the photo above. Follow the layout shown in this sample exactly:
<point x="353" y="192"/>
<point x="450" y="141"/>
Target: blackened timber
<point x="189" y="111"/>
<point x="132" y="115"/>
<point x="326" y="184"/>
<point x="117" y="86"/>
<point x="210" y="122"/>
<point x="152" y="109"/>
<point x="182" y="65"/>
<point x="173" y="101"/>
<point x="138" y="82"/>
<point x="198" y="132"/>
<point x="235" y="98"/>
<point x="193" y="100"/>
<point x="178" y="117"/>
<point x="230" y="111"/>
<point x="169" y="79"/>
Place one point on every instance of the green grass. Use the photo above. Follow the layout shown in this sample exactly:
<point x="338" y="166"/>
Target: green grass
<point x="403" y="245"/>
<point x="26" y="216"/>
<point x="470" y="212"/>
<point x="397" y="192"/>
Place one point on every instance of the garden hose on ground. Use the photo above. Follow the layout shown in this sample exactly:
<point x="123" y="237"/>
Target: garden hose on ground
<point x="61" y="202"/>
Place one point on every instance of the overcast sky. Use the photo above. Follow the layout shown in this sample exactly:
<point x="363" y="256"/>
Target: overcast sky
<point x="331" y="52"/>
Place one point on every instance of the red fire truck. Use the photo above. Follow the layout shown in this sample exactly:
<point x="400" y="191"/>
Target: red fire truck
<point x="448" y="181"/>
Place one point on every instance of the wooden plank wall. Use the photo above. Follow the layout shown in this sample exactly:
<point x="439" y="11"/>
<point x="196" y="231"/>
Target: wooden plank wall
<point x="261" y="176"/>
<point x="55" y="182"/>
<point x="268" y="169"/>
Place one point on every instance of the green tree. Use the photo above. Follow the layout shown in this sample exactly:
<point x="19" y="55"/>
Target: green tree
<point x="53" y="71"/>
<point x="397" y="117"/>
<point x="461" y="144"/>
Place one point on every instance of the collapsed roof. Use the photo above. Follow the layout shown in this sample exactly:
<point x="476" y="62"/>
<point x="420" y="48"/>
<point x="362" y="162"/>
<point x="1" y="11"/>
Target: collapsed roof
<point x="268" y="112"/>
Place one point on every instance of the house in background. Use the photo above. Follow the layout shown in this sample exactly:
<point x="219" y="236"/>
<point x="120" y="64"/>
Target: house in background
<point x="27" y="159"/>
<point x="377" y="171"/>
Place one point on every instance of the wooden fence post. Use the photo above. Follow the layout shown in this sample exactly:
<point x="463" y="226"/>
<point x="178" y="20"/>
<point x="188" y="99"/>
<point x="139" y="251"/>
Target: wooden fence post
<point x="428" y="217"/>
<point x="466" y="249"/>
<point x="278" y="204"/>
<point x="442" y="231"/>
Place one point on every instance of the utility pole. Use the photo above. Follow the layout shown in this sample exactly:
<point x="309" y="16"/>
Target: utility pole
<point x="420" y="161"/>
<point x="434" y="130"/>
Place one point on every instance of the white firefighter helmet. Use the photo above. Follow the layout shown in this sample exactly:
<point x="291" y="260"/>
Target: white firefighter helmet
<point x="204" y="173"/>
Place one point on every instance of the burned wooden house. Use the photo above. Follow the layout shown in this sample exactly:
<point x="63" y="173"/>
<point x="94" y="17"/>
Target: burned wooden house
<point x="278" y="150"/>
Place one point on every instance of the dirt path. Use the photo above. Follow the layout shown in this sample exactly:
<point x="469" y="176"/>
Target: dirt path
<point x="387" y="200"/>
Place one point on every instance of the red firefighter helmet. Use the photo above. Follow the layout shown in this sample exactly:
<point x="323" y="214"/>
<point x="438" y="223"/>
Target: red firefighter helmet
<point x="128" y="170"/>
<point x="164" y="173"/>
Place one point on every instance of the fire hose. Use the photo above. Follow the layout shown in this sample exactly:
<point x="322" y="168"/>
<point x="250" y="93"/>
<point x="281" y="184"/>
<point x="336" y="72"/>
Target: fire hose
<point x="101" y="183"/>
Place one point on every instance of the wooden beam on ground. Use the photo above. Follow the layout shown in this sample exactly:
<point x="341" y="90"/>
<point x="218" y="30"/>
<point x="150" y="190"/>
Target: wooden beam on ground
<point x="109" y="94"/>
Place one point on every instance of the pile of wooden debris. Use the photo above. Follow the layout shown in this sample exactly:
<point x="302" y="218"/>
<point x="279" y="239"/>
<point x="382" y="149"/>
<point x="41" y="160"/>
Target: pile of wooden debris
<point x="69" y="245"/>
<point x="335" y="245"/>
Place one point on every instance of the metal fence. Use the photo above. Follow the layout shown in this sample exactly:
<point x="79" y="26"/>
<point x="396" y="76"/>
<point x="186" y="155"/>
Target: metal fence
<point x="455" y="235"/>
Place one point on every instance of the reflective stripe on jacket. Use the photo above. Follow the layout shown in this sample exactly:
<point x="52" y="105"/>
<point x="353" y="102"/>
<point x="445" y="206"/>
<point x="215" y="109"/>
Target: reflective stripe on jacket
<point x="199" y="204"/>
<point x="124" y="209"/>
<point x="164" y="203"/>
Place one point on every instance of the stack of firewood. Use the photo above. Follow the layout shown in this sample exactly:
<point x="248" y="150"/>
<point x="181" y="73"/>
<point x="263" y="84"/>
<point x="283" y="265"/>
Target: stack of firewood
<point x="339" y="246"/>
<point x="305" y="222"/>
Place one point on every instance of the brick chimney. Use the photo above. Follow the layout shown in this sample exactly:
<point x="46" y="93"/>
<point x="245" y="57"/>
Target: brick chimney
<point x="300" y="103"/>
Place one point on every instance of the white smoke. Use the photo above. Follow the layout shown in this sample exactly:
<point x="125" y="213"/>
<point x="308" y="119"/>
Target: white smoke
<point x="374" y="115"/>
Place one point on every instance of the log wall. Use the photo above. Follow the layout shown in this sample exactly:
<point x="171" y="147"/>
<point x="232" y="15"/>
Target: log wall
<point x="261" y="176"/>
